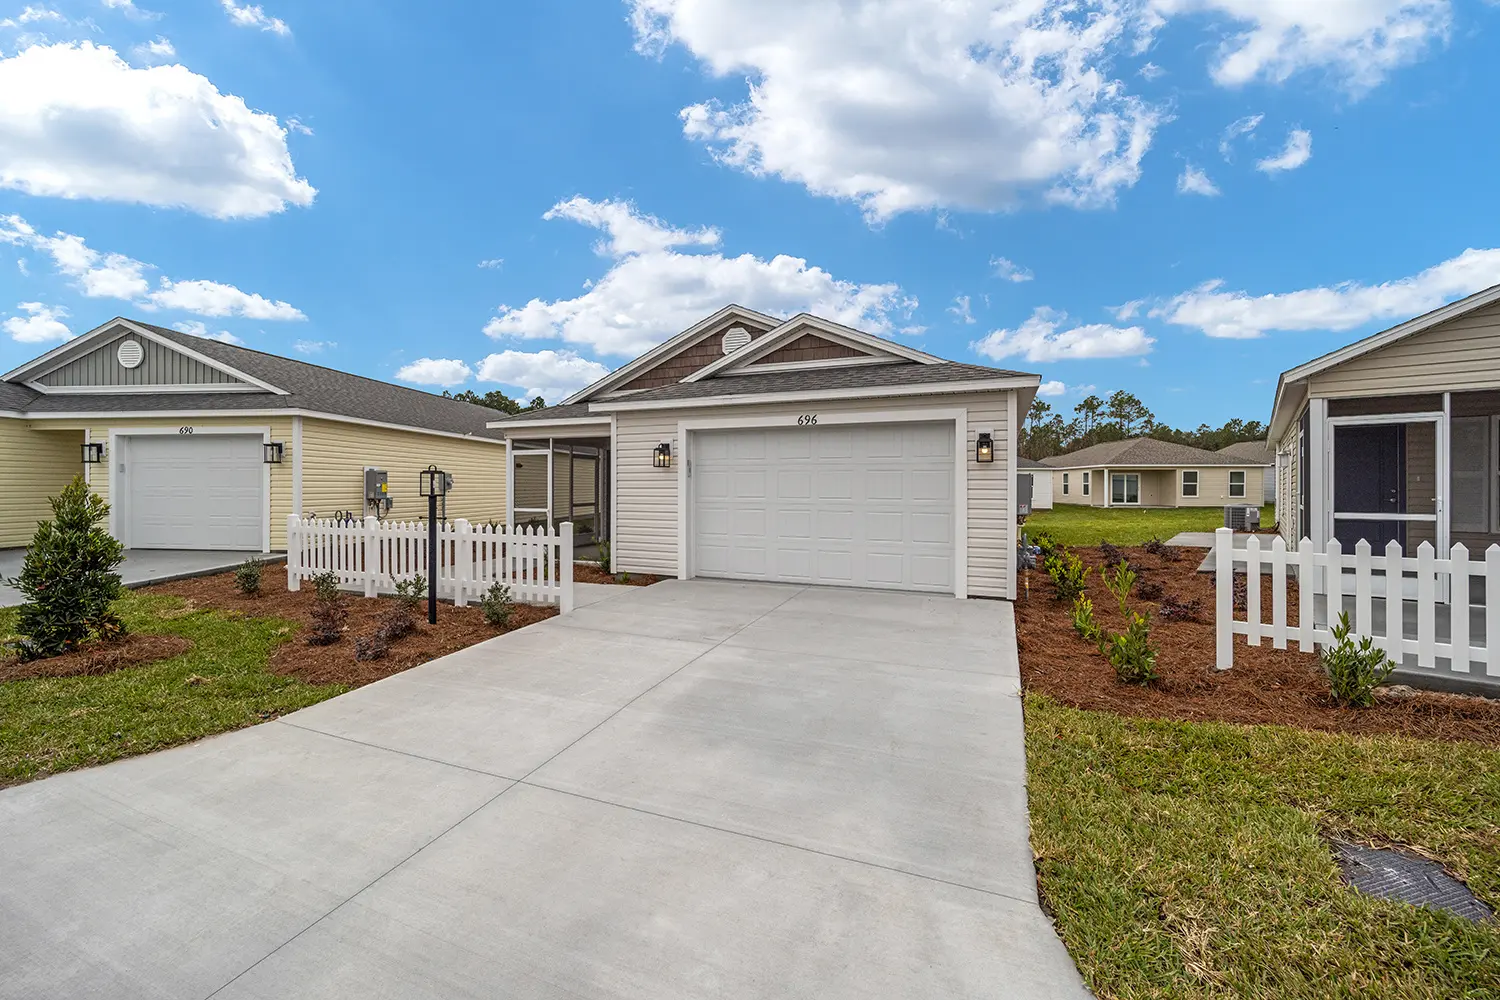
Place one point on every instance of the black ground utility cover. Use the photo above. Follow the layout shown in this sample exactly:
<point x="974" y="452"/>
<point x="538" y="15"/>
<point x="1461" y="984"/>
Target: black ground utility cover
<point x="1408" y="879"/>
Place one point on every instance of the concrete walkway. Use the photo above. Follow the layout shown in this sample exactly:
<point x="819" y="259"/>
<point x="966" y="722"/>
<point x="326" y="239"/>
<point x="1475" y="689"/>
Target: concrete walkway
<point x="141" y="567"/>
<point x="683" y="791"/>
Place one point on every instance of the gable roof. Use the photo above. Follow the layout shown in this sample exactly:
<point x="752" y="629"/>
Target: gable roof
<point x="804" y="323"/>
<point x="1258" y="452"/>
<point x="1139" y="452"/>
<point x="1030" y="463"/>
<point x="298" y="385"/>
<point x="1290" y="388"/>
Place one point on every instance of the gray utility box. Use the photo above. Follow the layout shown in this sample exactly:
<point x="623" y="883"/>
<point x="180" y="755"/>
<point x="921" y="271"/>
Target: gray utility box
<point x="377" y="490"/>
<point x="1023" y="494"/>
<point x="1242" y="518"/>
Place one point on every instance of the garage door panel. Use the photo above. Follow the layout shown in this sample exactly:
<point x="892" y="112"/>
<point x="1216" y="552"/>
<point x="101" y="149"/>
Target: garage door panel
<point x="200" y="492"/>
<point x="853" y="505"/>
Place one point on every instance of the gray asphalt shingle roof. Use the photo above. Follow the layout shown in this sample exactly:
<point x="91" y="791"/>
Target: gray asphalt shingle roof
<point x="1258" y="452"/>
<point x="308" y="387"/>
<point x="1030" y="463"/>
<point x="1139" y="452"/>
<point x="807" y="380"/>
<point x="16" y="397"/>
<point x="572" y="411"/>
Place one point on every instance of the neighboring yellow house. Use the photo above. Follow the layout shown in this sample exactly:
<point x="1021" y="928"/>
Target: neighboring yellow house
<point x="1145" y="472"/>
<point x="198" y="444"/>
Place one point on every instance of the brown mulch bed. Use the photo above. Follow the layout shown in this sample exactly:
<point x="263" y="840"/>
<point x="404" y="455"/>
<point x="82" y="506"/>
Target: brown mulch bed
<point x="456" y="629"/>
<point x="100" y="658"/>
<point x="590" y="573"/>
<point x="1266" y="686"/>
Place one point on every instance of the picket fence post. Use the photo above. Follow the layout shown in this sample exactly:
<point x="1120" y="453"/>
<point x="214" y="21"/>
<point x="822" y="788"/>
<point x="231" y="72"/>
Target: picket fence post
<point x="463" y="558"/>
<point x="293" y="552"/>
<point x="565" y="569"/>
<point x="1224" y="598"/>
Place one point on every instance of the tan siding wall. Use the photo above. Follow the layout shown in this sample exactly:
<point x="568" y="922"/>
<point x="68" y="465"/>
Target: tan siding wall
<point x="646" y="497"/>
<point x="1463" y="353"/>
<point x="1075" y="489"/>
<point x="1213" y="487"/>
<point x="34" y="466"/>
<point x="281" y="475"/>
<point x="1162" y="487"/>
<point x="335" y="454"/>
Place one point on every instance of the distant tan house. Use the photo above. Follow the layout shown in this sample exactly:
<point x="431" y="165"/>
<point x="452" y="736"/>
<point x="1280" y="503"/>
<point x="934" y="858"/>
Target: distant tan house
<point x="1395" y="437"/>
<point x="1145" y="472"/>
<point x="198" y="444"/>
<point x="1261" y="454"/>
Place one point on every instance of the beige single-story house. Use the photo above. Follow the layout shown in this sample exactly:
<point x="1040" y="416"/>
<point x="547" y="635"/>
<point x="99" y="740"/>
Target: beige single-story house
<point x="1395" y="437"/>
<point x="1040" y="475"/>
<point x="1145" y="472"/>
<point x="749" y="447"/>
<point x="1263" y="456"/>
<point x="199" y="444"/>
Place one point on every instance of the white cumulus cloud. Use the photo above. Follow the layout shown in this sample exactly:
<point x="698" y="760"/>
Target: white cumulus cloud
<point x="1297" y="152"/>
<point x="77" y="121"/>
<point x="435" y="371"/>
<point x="157" y="48"/>
<point x="200" y="329"/>
<point x="1239" y="127"/>
<point x="314" y="346"/>
<point x="1009" y="270"/>
<point x="252" y="16"/>
<point x="41" y="324"/>
<point x="1195" y="181"/>
<point x="1052" y="388"/>
<point x="960" y="308"/>
<point x="552" y="375"/>
<point x="213" y="298"/>
<point x="1043" y="338"/>
<point x="1219" y="313"/>
<point x="903" y="106"/>
<point x="654" y="290"/>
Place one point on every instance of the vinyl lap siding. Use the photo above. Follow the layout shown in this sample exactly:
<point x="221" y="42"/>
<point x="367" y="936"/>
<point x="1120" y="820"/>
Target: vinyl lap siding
<point x="646" y="497"/>
<point x="1461" y="354"/>
<point x="160" y="365"/>
<point x="34" y="466"/>
<point x="335" y="454"/>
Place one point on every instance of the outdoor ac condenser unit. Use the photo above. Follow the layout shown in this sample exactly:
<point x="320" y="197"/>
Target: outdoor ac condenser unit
<point x="1241" y="518"/>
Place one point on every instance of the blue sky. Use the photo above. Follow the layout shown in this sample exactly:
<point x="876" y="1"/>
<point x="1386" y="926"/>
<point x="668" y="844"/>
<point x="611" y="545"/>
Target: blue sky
<point x="1180" y="198"/>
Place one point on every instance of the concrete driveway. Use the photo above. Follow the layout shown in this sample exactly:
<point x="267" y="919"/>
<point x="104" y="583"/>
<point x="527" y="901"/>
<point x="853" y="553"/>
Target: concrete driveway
<point x="690" y="790"/>
<point x="141" y="566"/>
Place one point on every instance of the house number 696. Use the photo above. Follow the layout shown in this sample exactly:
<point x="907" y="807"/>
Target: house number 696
<point x="807" y="420"/>
<point x="184" y="430"/>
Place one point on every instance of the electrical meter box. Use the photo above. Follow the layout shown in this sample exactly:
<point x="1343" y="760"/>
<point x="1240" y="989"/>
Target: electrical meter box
<point x="377" y="490"/>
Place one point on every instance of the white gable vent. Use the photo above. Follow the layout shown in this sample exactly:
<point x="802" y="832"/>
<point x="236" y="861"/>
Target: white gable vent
<point x="130" y="353"/>
<point x="735" y="338"/>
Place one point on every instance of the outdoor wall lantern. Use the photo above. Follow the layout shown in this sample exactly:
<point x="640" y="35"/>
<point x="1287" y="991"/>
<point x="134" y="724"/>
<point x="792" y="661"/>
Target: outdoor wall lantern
<point x="984" y="448"/>
<point x="93" y="452"/>
<point x="662" y="456"/>
<point x="433" y="482"/>
<point x="275" y="452"/>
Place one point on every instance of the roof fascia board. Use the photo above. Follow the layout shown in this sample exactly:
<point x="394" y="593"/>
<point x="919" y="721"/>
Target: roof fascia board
<point x="667" y="349"/>
<point x="795" y="366"/>
<point x="104" y="416"/>
<point x="848" y="336"/>
<point x="207" y="388"/>
<point x="860" y="392"/>
<point x="1126" y="467"/>
<point x="517" y="425"/>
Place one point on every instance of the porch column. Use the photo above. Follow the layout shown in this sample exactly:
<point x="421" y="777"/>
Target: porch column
<point x="1319" y="458"/>
<point x="1109" y="490"/>
<point x="510" y="485"/>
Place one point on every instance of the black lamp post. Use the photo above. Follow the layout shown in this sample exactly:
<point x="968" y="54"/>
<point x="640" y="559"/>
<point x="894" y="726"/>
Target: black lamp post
<point x="433" y="483"/>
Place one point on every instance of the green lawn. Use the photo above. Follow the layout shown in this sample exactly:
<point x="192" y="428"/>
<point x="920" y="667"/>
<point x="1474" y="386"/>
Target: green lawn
<point x="1185" y="859"/>
<point x="1073" y="524"/>
<point x="57" y="724"/>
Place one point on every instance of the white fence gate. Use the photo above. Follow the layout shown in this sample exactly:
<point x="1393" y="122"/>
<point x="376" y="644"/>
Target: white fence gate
<point x="1360" y="577"/>
<point x="371" y="555"/>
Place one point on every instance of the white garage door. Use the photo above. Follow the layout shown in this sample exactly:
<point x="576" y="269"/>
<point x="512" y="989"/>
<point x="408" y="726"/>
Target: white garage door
<point x="195" y="492"/>
<point x="846" y="505"/>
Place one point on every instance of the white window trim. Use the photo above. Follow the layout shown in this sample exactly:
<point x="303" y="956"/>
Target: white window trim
<point x="1244" y="493"/>
<point x="1087" y="482"/>
<point x="1182" y="483"/>
<point x="958" y="417"/>
<point x="1125" y="490"/>
<point x="117" y="456"/>
<point x="1065" y="484"/>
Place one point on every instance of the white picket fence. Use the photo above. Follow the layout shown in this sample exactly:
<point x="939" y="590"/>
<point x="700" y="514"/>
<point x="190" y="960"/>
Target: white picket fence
<point x="1367" y="578"/>
<point x="370" y="556"/>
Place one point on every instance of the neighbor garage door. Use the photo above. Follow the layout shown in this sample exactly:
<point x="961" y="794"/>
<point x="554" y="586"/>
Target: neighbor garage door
<point x="202" y="491"/>
<point x="846" y="505"/>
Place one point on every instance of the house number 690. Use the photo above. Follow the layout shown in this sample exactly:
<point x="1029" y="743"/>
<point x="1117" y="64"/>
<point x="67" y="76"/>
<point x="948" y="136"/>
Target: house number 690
<point x="807" y="420"/>
<point x="184" y="430"/>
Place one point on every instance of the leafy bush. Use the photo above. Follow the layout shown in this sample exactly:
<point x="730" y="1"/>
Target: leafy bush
<point x="1149" y="590"/>
<point x="1131" y="652"/>
<point x="247" y="576"/>
<point x="1068" y="574"/>
<point x="329" y="616"/>
<point x="603" y="556"/>
<point x="1190" y="610"/>
<point x="371" y="647"/>
<point x="1083" y="619"/>
<point x="1353" y="671"/>
<point x="1166" y="553"/>
<point x="1119" y="582"/>
<point x="623" y="578"/>
<point x="497" y="606"/>
<point x="68" y="577"/>
<point x="397" y="622"/>
<point x="411" y="592"/>
<point x="1046" y="545"/>
<point x="326" y="584"/>
<point x="1111" y="555"/>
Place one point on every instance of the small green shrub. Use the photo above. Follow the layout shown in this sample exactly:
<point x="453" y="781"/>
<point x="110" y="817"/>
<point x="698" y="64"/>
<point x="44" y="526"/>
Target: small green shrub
<point x="247" y="576"/>
<point x="623" y="578"/>
<point x="603" y="556"/>
<point x="1353" y="670"/>
<point x="496" y="605"/>
<point x="1131" y="653"/>
<point x="1083" y="619"/>
<point x="1119" y="582"/>
<point x="372" y="647"/>
<point x="1046" y="545"/>
<point x="412" y="591"/>
<point x="1068" y="574"/>
<point x="68" y="577"/>
<point x="326" y="584"/>
<point x="329" y="616"/>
